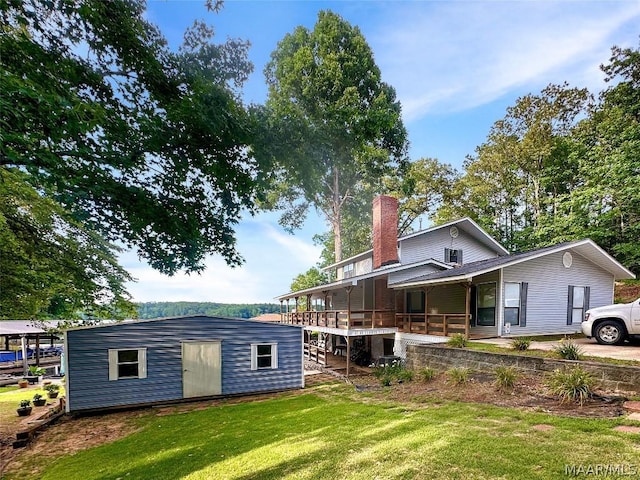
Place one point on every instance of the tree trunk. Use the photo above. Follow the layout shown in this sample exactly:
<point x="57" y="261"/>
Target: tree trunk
<point x="336" y="221"/>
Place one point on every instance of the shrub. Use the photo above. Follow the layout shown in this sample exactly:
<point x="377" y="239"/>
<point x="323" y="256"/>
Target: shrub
<point x="427" y="374"/>
<point x="568" y="349"/>
<point x="52" y="388"/>
<point x="394" y="371"/>
<point x="505" y="377"/>
<point x="573" y="384"/>
<point x="458" y="375"/>
<point x="458" y="341"/>
<point x="36" y="371"/>
<point x="25" y="403"/>
<point x="521" y="343"/>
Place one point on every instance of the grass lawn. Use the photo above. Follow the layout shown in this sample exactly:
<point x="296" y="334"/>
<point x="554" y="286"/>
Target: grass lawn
<point x="332" y="432"/>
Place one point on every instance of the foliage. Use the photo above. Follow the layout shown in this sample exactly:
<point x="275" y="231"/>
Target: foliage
<point x="427" y="374"/>
<point x="459" y="376"/>
<point x="568" y="349"/>
<point x="331" y="125"/>
<point x="36" y="371"/>
<point x="394" y="371"/>
<point x="150" y="310"/>
<point x="458" y="340"/>
<point x="52" y="388"/>
<point x="37" y="396"/>
<point x="520" y="343"/>
<point x="571" y="385"/>
<point x="311" y="278"/>
<point x="52" y="266"/>
<point x="506" y="377"/>
<point x="25" y="403"/>
<point x="145" y="145"/>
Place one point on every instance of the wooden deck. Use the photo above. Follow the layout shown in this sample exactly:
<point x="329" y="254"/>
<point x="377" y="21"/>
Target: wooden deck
<point x="444" y="324"/>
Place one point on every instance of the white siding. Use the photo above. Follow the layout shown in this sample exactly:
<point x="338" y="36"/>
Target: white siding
<point x="432" y="245"/>
<point x="364" y="266"/>
<point x="547" y="297"/>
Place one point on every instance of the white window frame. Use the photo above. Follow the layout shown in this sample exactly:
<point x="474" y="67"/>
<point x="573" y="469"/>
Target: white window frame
<point x="114" y="364"/>
<point x="274" y="356"/>
<point x="517" y="305"/>
<point x="349" y="270"/>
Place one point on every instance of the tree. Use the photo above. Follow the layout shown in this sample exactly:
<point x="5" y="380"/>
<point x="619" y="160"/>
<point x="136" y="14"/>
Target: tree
<point x="311" y="278"/>
<point x="331" y="126"/>
<point x="50" y="265"/>
<point x="144" y="145"/>
<point x="605" y="205"/>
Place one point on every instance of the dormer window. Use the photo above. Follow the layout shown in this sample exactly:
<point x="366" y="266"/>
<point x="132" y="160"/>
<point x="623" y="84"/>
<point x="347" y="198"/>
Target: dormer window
<point x="453" y="256"/>
<point x="349" y="270"/>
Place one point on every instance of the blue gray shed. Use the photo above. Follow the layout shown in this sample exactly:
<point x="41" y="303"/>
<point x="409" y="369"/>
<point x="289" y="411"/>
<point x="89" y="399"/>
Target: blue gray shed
<point x="171" y="359"/>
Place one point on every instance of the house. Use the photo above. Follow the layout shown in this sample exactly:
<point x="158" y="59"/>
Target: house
<point x="451" y="278"/>
<point x="173" y="359"/>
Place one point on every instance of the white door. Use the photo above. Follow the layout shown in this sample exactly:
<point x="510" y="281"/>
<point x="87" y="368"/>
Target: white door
<point x="201" y="369"/>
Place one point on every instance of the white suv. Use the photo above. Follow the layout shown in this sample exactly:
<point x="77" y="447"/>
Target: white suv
<point x="613" y="324"/>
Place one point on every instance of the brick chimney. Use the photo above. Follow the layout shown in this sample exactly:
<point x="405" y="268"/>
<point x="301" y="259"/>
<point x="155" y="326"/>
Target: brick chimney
<point x="385" y="231"/>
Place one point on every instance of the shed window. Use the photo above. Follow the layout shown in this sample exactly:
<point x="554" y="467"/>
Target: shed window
<point x="264" y="356"/>
<point x="127" y="363"/>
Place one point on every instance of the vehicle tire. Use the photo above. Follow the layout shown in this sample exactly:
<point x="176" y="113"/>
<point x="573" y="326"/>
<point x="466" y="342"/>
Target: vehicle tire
<point x="610" y="332"/>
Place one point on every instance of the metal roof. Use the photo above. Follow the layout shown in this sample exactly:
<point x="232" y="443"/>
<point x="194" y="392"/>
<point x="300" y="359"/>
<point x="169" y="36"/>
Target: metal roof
<point x="26" y="327"/>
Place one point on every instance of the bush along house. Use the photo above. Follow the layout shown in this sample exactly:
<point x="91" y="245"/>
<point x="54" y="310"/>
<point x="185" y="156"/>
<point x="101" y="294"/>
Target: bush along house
<point x="451" y="278"/>
<point x="149" y="362"/>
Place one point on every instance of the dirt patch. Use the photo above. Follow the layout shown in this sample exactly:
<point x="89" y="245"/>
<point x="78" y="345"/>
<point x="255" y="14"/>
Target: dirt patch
<point x="529" y="393"/>
<point x="627" y="429"/>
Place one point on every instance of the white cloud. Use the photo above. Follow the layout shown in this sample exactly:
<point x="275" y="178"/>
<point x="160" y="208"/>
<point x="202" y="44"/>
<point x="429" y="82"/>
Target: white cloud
<point x="451" y="56"/>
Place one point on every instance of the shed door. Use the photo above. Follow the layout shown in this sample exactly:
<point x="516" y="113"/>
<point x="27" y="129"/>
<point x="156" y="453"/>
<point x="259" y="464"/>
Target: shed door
<point x="201" y="369"/>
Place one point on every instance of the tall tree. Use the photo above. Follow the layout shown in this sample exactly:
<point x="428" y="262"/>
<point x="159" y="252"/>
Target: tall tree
<point x="50" y="265"/>
<point x="332" y="126"/>
<point x="144" y="145"/>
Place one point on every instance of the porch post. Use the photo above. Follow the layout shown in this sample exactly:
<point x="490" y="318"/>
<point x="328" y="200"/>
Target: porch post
<point x="348" y="338"/>
<point x="25" y="362"/>
<point x="348" y="309"/>
<point x="467" y="320"/>
<point x="281" y="311"/>
<point x="37" y="349"/>
<point x="426" y="314"/>
<point x="308" y="302"/>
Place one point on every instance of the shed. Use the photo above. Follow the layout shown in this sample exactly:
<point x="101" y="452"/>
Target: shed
<point x="171" y="359"/>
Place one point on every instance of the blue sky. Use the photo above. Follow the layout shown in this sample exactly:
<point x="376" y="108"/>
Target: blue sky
<point x="456" y="66"/>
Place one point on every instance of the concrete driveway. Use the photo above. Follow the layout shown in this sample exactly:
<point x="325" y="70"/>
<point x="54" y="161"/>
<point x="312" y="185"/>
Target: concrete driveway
<point x="628" y="351"/>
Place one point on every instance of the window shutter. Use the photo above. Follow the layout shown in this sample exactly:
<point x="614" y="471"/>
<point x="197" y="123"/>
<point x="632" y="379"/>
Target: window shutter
<point x="254" y="357"/>
<point x="460" y="257"/>
<point x="142" y="363"/>
<point x="587" y="294"/>
<point x="447" y="255"/>
<point x="113" y="364"/>
<point x="570" y="306"/>
<point x="524" y="287"/>
<point x="274" y="355"/>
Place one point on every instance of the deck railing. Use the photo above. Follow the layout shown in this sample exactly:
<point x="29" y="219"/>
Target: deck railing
<point x="342" y="319"/>
<point x="432" y="323"/>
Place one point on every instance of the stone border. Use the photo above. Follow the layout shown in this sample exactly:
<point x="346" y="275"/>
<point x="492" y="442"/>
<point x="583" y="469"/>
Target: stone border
<point x="619" y="378"/>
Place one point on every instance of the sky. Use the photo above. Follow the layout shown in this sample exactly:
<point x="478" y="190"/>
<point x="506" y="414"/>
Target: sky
<point x="456" y="67"/>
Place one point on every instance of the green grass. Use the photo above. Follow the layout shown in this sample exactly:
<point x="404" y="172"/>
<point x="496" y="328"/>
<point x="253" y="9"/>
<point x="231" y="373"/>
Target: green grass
<point x="332" y="432"/>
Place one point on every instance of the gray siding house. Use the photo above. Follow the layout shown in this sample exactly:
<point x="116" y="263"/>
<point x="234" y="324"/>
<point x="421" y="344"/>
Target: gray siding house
<point x="447" y="279"/>
<point x="170" y="359"/>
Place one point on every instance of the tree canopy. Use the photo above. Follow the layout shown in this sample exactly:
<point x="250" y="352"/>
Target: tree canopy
<point x="331" y="126"/>
<point x="144" y="145"/>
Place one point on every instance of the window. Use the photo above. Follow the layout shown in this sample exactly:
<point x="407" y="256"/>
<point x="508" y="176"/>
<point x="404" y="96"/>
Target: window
<point x="578" y="304"/>
<point x="127" y="363"/>
<point x="453" y="255"/>
<point x="415" y="301"/>
<point x="486" y="303"/>
<point x="264" y="356"/>
<point x="512" y="303"/>
<point x="349" y="270"/>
